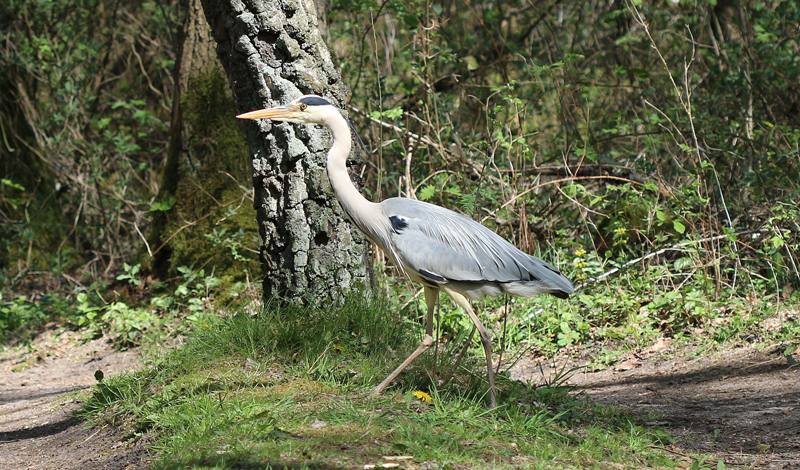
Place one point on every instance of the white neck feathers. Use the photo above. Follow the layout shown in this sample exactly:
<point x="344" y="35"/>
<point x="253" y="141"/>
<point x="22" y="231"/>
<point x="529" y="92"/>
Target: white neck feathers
<point x="367" y="216"/>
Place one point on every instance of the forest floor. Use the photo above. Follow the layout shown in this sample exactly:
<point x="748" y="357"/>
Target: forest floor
<point x="38" y="429"/>
<point x="740" y="405"/>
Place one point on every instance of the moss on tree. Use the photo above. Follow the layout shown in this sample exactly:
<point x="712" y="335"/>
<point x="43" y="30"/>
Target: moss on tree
<point x="212" y="224"/>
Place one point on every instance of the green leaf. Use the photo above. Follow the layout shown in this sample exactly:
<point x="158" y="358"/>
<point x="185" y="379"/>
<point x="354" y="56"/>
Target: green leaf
<point x="453" y="190"/>
<point x="278" y="434"/>
<point x="426" y="193"/>
<point x="11" y="184"/>
<point x="678" y="226"/>
<point x="681" y="263"/>
<point x="411" y="20"/>
<point x="162" y="206"/>
<point x="472" y="63"/>
<point x="574" y="189"/>
<point x="467" y="203"/>
<point x="394" y="113"/>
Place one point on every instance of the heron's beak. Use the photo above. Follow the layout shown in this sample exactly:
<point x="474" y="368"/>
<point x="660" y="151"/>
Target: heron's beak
<point x="279" y="113"/>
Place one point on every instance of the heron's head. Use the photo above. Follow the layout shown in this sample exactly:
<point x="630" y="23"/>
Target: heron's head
<point x="308" y="109"/>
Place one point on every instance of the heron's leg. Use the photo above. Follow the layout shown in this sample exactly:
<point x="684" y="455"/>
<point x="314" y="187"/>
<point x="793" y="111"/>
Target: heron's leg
<point x="486" y="339"/>
<point x="431" y="295"/>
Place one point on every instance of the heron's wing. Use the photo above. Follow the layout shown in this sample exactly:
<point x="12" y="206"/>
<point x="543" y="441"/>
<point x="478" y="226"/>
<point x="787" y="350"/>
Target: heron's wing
<point x="443" y="245"/>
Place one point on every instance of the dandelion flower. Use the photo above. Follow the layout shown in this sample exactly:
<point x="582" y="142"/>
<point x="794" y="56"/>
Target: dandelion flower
<point x="423" y="397"/>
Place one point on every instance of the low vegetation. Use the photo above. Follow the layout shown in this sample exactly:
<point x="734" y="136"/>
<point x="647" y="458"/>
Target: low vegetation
<point x="289" y="388"/>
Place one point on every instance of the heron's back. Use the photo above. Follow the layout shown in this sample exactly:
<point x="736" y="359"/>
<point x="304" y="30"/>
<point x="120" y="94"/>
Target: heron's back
<point x="444" y="247"/>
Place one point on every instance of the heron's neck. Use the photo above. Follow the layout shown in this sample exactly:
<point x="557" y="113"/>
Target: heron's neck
<point x="361" y="211"/>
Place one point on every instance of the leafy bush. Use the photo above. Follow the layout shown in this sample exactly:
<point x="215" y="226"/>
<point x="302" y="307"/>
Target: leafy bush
<point x="85" y="111"/>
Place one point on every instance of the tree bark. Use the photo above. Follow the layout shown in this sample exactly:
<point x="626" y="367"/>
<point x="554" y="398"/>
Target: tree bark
<point x="273" y="52"/>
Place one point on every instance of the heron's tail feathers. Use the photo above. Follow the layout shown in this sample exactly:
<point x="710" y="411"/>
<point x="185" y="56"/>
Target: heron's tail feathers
<point x="547" y="280"/>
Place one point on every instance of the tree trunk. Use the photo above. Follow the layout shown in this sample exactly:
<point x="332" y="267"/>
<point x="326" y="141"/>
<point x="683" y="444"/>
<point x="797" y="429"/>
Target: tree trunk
<point x="273" y="52"/>
<point x="206" y="167"/>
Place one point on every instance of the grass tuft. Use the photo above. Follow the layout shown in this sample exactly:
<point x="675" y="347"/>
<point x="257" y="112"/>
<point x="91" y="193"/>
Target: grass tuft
<point x="286" y="389"/>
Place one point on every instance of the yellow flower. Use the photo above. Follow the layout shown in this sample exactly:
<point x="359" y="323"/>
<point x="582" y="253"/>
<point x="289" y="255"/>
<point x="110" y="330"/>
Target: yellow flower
<point x="581" y="264"/>
<point x="620" y="231"/>
<point x="580" y="252"/>
<point x="338" y="347"/>
<point x="423" y="397"/>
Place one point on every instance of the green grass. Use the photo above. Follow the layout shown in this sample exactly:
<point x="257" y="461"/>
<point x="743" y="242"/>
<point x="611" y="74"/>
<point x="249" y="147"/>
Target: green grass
<point x="288" y="388"/>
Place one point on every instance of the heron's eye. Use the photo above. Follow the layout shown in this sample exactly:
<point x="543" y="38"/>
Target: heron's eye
<point x="303" y="106"/>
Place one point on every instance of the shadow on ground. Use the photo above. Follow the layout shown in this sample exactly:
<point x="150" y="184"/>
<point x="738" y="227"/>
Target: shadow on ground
<point x="742" y="405"/>
<point x="38" y="429"/>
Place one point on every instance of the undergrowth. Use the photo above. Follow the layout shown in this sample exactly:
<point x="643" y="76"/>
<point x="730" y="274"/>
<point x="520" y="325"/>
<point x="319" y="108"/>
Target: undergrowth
<point x="657" y="141"/>
<point x="287" y="388"/>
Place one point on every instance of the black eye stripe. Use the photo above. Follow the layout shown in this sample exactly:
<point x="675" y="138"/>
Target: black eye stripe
<point x="314" y="101"/>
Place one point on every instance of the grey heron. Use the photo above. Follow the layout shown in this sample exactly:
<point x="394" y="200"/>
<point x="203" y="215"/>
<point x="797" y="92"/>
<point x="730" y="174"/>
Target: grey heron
<point x="434" y="246"/>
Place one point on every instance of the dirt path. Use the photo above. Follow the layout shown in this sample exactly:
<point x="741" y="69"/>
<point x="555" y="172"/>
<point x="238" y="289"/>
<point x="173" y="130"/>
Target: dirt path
<point x="742" y="405"/>
<point x="37" y="430"/>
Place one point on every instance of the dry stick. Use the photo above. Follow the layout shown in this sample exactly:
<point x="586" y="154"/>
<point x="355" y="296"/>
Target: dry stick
<point x="686" y="103"/>
<point x="422" y="139"/>
<point x="147" y="245"/>
<point x="398" y="129"/>
<point x="95" y="433"/>
<point x="788" y="427"/>
<point x="571" y="178"/>
<point x="205" y="192"/>
<point x="664" y="250"/>
<point x="409" y="189"/>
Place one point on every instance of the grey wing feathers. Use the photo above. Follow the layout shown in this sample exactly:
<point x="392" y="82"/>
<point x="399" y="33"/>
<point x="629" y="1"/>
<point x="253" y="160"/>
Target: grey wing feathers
<point x="442" y="244"/>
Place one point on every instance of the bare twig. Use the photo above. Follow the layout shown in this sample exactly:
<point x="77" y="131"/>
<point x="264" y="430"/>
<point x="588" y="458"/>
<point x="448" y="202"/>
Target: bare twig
<point x="678" y="247"/>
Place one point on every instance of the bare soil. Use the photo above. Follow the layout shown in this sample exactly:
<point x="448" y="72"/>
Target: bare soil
<point x="38" y="429"/>
<point x="742" y="405"/>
